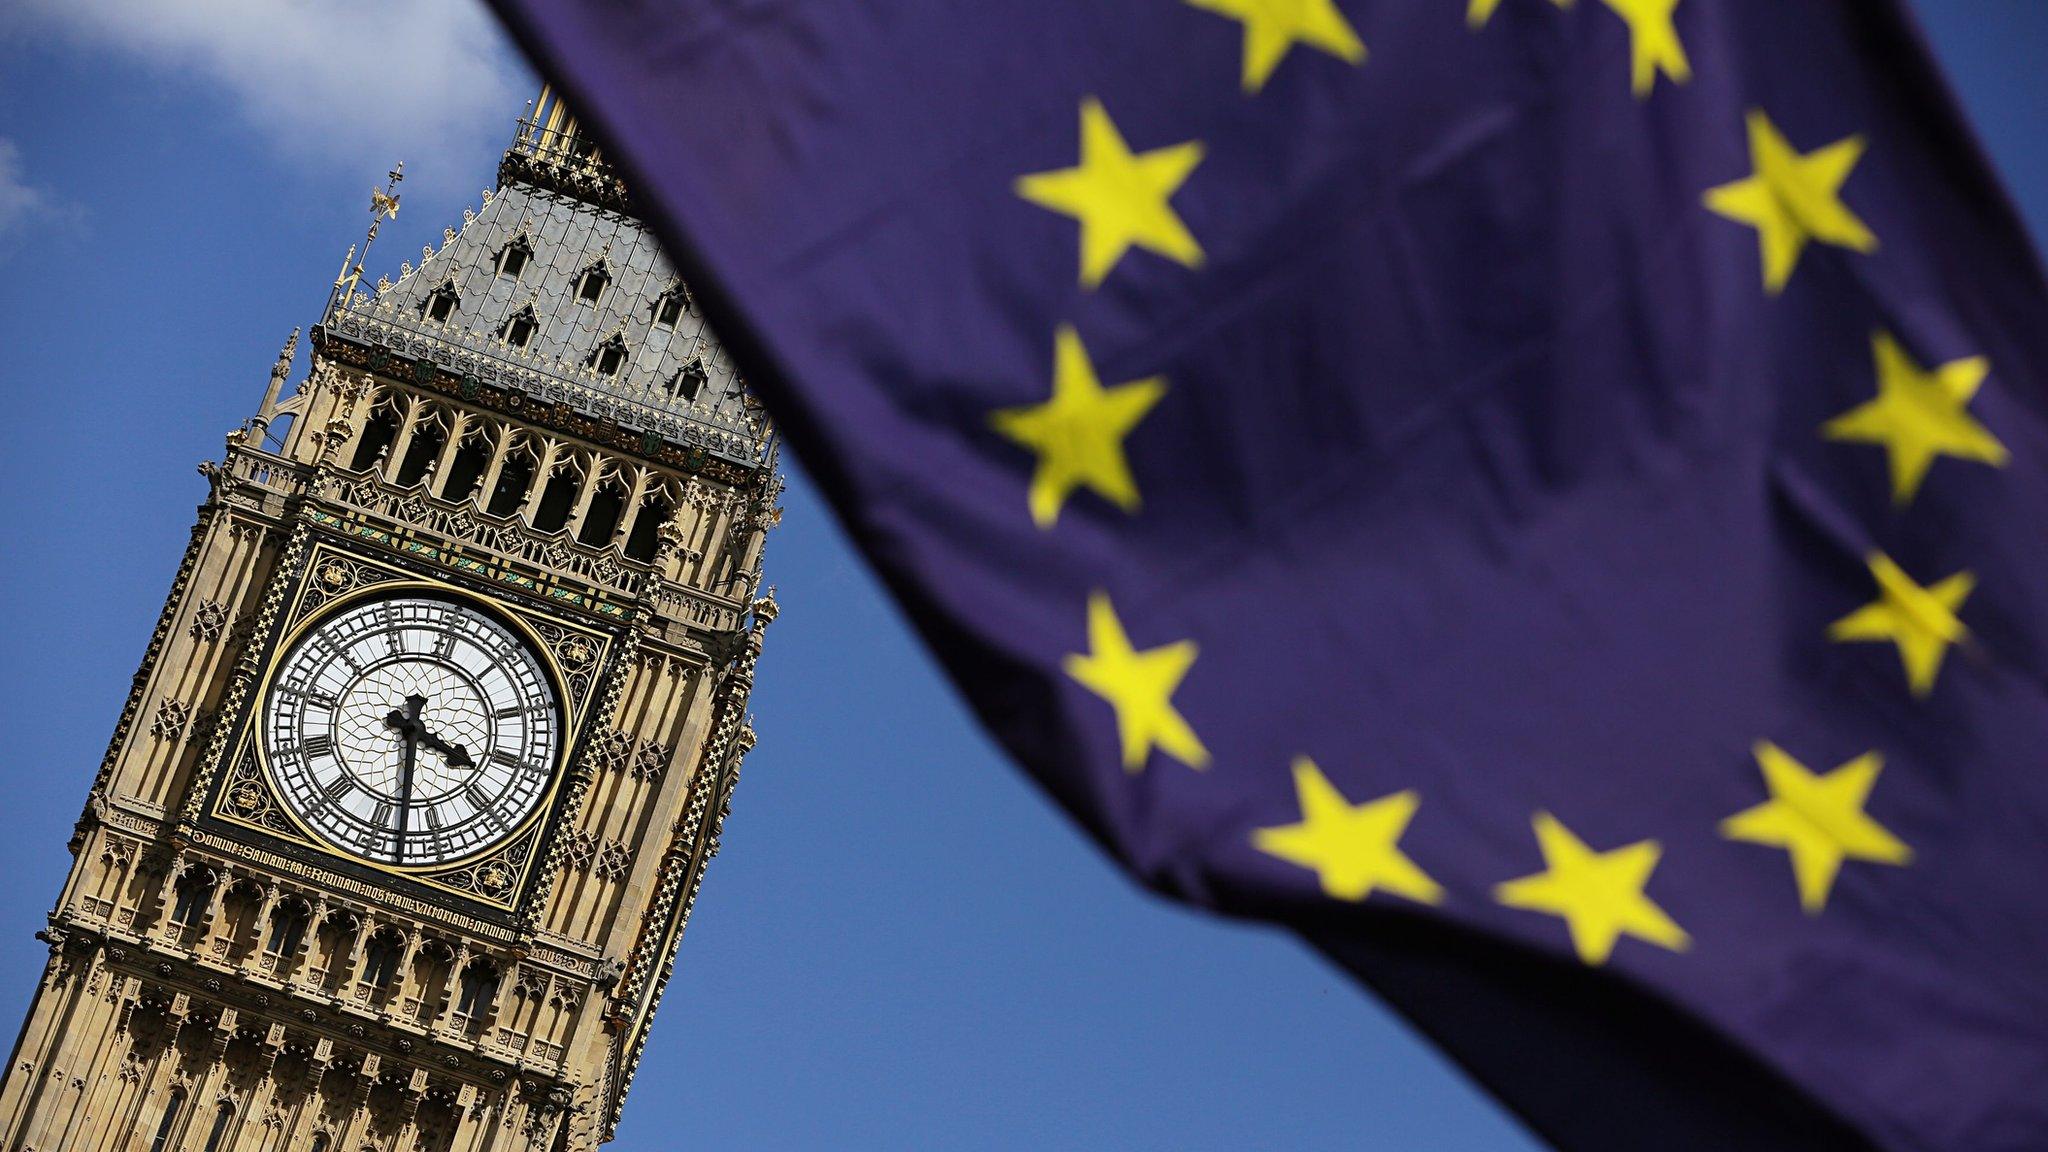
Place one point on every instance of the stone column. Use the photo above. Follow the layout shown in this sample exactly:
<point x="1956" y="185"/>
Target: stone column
<point x="593" y="475"/>
<point x="109" y="1025"/>
<point x="473" y="1120"/>
<point x="354" y="962"/>
<point x="308" y="940"/>
<point x="408" y="426"/>
<point x="408" y="1120"/>
<point x="359" y="1104"/>
<point x="354" y="401"/>
<point x="542" y="473"/>
<point x="629" y="512"/>
<point x="264" y="912"/>
<point x="451" y="988"/>
<point x="458" y="423"/>
<point x="210" y="918"/>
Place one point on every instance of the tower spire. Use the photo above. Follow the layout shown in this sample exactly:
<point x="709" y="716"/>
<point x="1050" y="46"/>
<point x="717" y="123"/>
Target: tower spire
<point x="383" y="206"/>
<point x="279" y="373"/>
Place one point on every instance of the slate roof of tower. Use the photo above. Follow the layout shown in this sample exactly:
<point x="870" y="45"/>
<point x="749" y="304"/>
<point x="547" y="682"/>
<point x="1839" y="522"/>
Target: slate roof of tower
<point x="568" y="235"/>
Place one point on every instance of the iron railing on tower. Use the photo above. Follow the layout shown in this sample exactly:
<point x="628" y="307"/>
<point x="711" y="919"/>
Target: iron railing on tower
<point x="552" y="150"/>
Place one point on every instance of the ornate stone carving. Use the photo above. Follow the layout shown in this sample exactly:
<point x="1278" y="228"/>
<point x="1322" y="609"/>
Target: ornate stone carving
<point x="209" y="620"/>
<point x="171" y="718"/>
<point x="613" y="860"/>
<point x="610" y="751"/>
<point x="532" y="983"/>
<point x="579" y="848"/>
<point x="651" y="760"/>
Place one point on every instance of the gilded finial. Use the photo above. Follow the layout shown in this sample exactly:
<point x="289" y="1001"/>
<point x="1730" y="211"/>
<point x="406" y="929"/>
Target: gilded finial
<point x="384" y="204"/>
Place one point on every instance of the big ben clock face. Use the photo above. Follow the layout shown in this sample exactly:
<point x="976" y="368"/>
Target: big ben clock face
<point x="411" y="730"/>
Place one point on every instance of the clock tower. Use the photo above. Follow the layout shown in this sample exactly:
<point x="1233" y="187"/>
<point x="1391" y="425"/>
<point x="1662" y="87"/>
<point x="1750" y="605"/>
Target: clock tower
<point x="400" y="826"/>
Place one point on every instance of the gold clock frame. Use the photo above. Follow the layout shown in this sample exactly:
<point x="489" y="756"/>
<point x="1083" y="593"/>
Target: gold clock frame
<point x="334" y="578"/>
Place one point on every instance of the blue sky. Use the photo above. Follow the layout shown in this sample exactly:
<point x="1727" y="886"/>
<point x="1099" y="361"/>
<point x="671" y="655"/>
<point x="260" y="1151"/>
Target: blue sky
<point x="902" y="945"/>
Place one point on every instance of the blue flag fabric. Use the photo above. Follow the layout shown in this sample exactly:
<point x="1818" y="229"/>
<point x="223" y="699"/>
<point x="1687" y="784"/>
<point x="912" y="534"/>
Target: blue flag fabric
<point x="1545" y="499"/>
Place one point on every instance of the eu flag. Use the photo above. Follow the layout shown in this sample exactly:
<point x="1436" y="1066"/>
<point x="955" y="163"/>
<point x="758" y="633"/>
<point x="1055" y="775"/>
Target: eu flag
<point x="1545" y="499"/>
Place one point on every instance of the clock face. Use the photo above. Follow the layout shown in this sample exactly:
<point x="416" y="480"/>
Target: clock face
<point x="413" y="730"/>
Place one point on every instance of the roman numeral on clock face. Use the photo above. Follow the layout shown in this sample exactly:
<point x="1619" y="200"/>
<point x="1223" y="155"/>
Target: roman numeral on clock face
<point x="350" y="774"/>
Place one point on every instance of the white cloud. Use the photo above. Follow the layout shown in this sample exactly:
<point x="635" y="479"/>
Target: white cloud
<point x="18" y="199"/>
<point x="359" y="83"/>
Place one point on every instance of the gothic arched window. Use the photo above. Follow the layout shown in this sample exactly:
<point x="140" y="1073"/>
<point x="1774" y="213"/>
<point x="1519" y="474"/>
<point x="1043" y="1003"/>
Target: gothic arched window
<point x="428" y="438"/>
<point x="647" y="529"/>
<point x="591" y="285"/>
<point x="170" y="1121"/>
<point x="287" y="928"/>
<point x="222" y="1117"/>
<point x="601" y="515"/>
<point x="378" y="435"/>
<point x="380" y="964"/>
<point x="479" y="988"/>
<point x="520" y="330"/>
<point x="194" y="894"/>
<point x="557" y="498"/>
<point x="468" y="466"/>
<point x="668" y="310"/>
<point x="512" y="258"/>
<point x="609" y="358"/>
<point x="514" y="478"/>
<point x="440" y="304"/>
<point x="688" y="380"/>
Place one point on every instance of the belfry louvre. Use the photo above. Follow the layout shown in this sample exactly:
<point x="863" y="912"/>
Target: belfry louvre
<point x="400" y="826"/>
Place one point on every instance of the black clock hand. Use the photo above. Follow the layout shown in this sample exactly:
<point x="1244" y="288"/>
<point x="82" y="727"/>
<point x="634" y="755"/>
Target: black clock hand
<point x="411" y="730"/>
<point x="457" y="755"/>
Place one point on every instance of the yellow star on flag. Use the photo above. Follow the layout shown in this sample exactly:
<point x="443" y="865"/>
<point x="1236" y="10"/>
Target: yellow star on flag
<point x="1921" y="621"/>
<point x="1599" y="895"/>
<point x="1353" y="849"/>
<point x="1119" y="197"/>
<point x="1139" y="686"/>
<point x="1819" y="820"/>
<point x="1480" y="11"/>
<point x="1079" y="433"/>
<point x="1791" y="199"/>
<point x="1271" y="27"/>
<point x="1653" y="43"/>
<point x="1919" y="415"/>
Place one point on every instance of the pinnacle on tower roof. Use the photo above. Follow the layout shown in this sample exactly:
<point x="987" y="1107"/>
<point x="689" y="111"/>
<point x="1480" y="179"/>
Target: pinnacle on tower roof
<point x="553" y="289"/>
<point x="552" y="150"/>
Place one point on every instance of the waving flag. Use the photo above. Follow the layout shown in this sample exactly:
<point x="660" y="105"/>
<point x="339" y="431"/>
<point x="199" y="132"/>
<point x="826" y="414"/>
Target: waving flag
<point x="1549" y="500"/>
